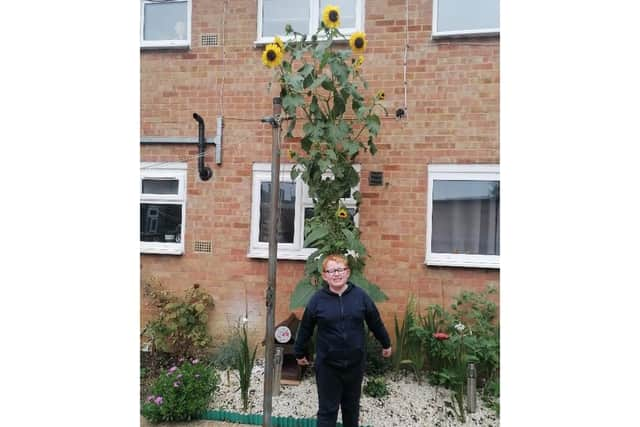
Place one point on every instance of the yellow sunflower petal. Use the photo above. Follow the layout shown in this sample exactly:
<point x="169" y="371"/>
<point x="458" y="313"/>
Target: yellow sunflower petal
<point x="358" y="42"/>
<point x="272" y="55"/>
<point x="331" y="16"/>
<point x="277" y="40"/>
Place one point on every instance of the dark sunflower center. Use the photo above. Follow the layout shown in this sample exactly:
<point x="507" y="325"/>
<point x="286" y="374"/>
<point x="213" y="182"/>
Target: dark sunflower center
<point x="359" y="42"/>
<point x="271" y="55"/>
<point x="333" y="16"/>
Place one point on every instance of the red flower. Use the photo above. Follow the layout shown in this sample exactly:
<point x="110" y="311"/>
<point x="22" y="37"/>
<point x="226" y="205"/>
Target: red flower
<point x="441" y="336"/>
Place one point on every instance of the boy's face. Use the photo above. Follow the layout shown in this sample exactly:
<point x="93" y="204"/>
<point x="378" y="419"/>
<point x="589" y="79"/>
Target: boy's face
<point x="336" y="274"/>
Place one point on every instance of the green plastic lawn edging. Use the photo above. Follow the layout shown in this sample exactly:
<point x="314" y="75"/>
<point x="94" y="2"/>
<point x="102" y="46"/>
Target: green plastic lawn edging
<point x="256" y="419"/>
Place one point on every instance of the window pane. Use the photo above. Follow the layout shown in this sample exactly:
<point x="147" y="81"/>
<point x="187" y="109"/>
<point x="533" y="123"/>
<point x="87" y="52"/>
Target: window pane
<point x="160" y="186"/>
<point x="457" y="15"/>
<point x="466" y="217"/>
<point x="287" y="211"/>
<point x="278" y="13"/>
<point x="347" y="11"/>
<point x="160" y="222"/>
<point x="165" y="21"/>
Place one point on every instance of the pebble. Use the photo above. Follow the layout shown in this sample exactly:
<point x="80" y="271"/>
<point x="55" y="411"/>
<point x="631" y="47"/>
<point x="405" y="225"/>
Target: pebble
<point x="408" y="403"/>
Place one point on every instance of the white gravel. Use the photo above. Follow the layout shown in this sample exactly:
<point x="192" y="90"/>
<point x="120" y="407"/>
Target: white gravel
<point x="408" y="403"/>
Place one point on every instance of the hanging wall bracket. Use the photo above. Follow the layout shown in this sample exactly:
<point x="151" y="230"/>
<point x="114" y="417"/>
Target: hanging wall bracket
<point x="204" y="170"/>
<point x="202" y="141"/>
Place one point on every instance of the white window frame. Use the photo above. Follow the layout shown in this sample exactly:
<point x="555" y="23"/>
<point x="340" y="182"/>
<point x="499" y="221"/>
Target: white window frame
<point x="148" y="44"/>
<point x="174" y="171"/>
<point x="295" y="250"/>
<point x="436" y="33"/>
<point x="452" y="172"/>
<point x="315" y="15"/>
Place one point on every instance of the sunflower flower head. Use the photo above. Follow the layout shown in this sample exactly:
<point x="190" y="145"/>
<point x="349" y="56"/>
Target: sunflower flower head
<point x="331" y="16"/>
<point x="358" y="42"/>
<point x="292" y="154"/>
<point x="380" y="95"/>
<point x="277" y="40"/>
<point x="342" y="213"/>
<point x="272" y="55"/>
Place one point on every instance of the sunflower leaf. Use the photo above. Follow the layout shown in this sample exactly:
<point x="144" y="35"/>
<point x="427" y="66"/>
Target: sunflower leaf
<point x="301" y="294"/>
<point x="373" y="124"/>
<point x="316" y="234"/>
<point x="291" y="101"/>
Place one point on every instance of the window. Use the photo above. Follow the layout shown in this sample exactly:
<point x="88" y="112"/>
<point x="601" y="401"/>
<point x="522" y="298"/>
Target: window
<point x="305" y="16"/>
<point x="165" y="23"/>
<point x="162" y="207"/>
<point x="295" y="206"/>
<point x="463" y="216"/>
<point x="466" y="18"/>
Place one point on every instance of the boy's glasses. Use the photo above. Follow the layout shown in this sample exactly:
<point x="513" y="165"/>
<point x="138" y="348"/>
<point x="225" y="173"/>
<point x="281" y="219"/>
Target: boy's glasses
<point x="336" y="270"/>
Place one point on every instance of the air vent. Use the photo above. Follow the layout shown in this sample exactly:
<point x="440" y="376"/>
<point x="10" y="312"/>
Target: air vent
<point x="202" y="246"/>
<point x="209" y="39"/>
<point x="375" y="178"/>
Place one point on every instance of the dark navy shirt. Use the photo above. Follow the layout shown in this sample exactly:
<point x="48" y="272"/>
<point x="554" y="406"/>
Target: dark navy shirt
<point x="340" y="319"/>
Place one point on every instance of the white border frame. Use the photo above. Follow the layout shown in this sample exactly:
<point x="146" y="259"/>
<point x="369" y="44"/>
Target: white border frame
<point x="295" y="250"/>
<point x="170" y="170"/>
<point x="478" y="32"/>
<point x="315" y="14"/>
<point x="458" y="172"/>
<point x="165" y="44"/>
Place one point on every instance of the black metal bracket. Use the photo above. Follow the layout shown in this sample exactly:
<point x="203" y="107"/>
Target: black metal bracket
<point x="205" y="171"/>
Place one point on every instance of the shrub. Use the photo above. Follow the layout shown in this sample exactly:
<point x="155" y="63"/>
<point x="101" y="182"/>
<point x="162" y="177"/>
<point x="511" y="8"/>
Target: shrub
<point x="376" y="387"/>
<point x="376" y="364"/>
<point x="244" y="365"/>
<point x="409" y="353"/>
<point x="469" y="333"/>
<point x="181" y="326"/>
<point x="181" y="393"/>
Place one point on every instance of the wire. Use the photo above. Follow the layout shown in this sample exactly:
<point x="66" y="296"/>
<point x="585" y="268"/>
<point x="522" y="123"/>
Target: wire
<point x="406" y="49"/>
<point x="224" y="14"/>
<point x="184" y="159"/>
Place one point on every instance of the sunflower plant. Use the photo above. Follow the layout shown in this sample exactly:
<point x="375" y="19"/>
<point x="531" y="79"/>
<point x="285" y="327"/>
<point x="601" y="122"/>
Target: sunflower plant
<point x="322" y="86"/>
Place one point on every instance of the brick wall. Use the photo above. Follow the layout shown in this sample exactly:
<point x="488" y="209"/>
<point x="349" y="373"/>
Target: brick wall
<point x="453" y="117"/>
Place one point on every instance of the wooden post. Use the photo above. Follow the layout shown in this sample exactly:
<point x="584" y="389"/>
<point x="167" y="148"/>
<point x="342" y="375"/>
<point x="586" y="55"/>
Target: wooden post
<point x="273" y="258"/>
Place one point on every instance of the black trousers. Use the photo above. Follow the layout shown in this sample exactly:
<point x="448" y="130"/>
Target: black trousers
<point x="338" y="387"/>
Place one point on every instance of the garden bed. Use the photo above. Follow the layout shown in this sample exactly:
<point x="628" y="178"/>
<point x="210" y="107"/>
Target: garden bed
<point x="408" y="404"/>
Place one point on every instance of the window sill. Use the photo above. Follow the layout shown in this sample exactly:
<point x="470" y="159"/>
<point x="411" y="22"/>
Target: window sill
<point x="161" y="249"/>
<point x="166" y="46"/>
<point x="268" y="40"/>
<point x="470" y="261"/>
<point x="493" y="32"/>
<point x="296" y="255"/>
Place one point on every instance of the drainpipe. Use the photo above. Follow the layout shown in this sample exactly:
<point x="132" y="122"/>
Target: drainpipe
<point x="205" y="171"/>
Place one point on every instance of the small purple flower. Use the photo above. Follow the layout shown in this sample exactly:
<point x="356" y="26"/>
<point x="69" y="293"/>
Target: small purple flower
<point x="172" y="370"/>
<point x="150" y="398"/>
<point x="176" y="384"/>
<point x="179" y="376"/>
<point x="194" y="361"/>
<point x="181" y="359"/>
<point x="159" y="400"/>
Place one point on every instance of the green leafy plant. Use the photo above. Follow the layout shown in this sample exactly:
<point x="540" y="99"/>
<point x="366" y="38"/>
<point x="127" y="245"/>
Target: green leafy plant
<point x="376" y="364"/>
<point x="468" y="333"/>
<point x="244" y="365"/>
<point x="325" y="85"/>
<point x="181" y="326"/>
<point x="225" y="353"/>
<point x="376" y="387"/>
<point x="409" y="352"/>
<point x="181" y="393"/>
